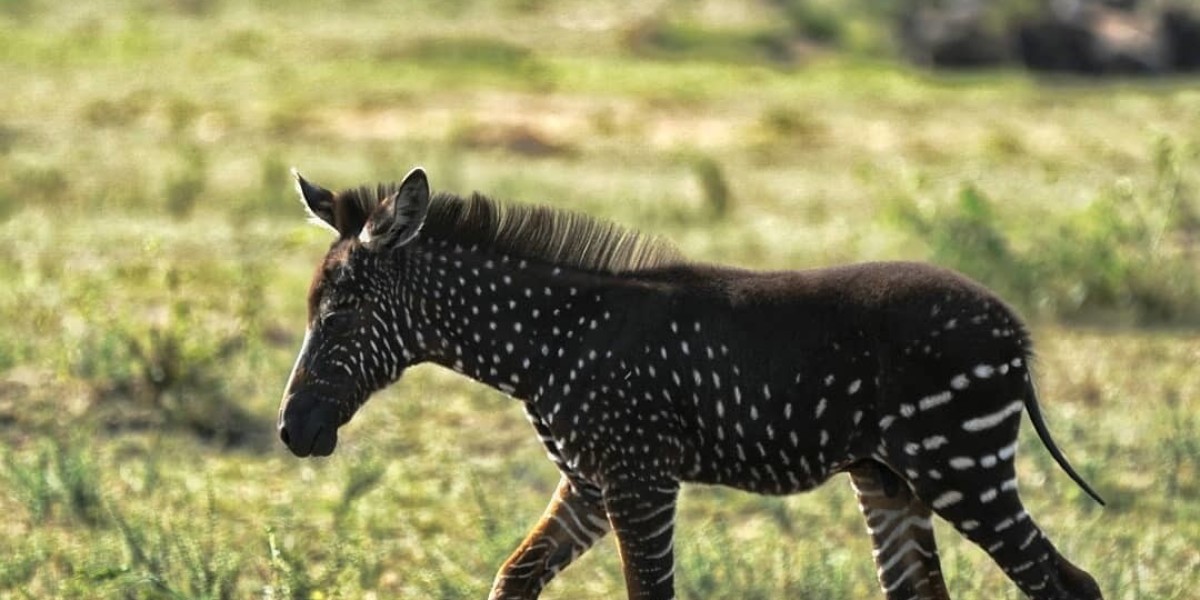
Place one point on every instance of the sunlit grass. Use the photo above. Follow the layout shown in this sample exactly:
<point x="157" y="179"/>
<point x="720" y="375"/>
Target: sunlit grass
<point x="153" y="264"/>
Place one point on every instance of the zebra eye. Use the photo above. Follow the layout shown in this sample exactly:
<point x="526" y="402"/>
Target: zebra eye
<point x="338" y="319"/>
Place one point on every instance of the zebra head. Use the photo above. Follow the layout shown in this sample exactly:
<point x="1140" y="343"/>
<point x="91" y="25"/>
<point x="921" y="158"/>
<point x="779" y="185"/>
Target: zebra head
<point x="353" y="344"/>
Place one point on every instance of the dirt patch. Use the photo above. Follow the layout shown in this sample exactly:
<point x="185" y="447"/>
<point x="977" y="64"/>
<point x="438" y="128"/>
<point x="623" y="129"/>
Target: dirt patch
<point x="534" y="125"/>
<point x="34" y="400"/>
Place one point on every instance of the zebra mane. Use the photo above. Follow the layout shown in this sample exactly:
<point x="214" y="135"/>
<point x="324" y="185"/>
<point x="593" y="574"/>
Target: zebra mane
<point x="555" y="236"/>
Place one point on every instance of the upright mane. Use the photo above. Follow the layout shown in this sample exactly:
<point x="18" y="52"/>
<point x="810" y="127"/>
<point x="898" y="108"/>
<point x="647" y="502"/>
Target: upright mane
<point x="555" y="236"/>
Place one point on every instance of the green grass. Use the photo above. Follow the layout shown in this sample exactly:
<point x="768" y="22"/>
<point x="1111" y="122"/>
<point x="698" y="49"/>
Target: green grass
<point x="154" y="261"/>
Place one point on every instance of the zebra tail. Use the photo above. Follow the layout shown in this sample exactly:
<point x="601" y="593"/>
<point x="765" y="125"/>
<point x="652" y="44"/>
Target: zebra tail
<point x="1039" y="425"/>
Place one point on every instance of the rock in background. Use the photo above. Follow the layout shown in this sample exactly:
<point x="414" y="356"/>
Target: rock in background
<point x="1089" y="37"/>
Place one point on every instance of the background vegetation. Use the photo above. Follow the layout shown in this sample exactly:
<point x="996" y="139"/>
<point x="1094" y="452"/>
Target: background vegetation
<point x="153" y="263"/>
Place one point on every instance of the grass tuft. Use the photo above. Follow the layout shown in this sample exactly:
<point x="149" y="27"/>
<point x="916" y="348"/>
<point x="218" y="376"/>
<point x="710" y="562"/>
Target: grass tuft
<point x="714" y="189"/>
<point x="59" y="475"/>
<point x="30" y="482"/>
<point x="664" y="39"/>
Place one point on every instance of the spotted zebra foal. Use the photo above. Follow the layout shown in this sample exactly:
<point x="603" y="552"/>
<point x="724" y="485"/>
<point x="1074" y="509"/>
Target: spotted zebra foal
<point x="640" y="370"/>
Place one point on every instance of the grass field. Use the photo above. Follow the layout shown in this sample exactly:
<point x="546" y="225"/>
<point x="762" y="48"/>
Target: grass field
<point x="154" y="261"/>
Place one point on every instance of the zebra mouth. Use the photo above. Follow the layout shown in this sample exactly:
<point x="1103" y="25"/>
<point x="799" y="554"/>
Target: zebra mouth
<point x="309" y="427"/>
<point x="323" y="442"/>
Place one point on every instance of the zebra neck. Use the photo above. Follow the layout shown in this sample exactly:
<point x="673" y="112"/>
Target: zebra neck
<point x="518" y="326"/>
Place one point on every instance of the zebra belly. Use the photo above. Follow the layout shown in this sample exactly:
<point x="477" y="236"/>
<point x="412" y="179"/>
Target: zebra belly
<point x="761" y="465"/>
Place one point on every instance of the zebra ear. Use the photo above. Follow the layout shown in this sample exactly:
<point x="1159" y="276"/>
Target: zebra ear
<point x="318" y="202"/>
<point x="400" y="216"/>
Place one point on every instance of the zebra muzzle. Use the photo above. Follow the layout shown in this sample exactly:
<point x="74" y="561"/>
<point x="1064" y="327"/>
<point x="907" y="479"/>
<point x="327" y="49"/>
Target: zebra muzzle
<point x="308" y="426"/>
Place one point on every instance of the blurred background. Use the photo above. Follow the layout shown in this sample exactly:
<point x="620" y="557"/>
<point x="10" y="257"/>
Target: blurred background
<point x="154" y="262"/>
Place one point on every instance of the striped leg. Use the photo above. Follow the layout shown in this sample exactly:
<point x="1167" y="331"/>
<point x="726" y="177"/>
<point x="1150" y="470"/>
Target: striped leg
<point x="643" y="517"/>
<point x="985" y="507"/>
<point x="1007" y="533"/>
<point x="573" y="521"/>
<point x="905" y="553"/>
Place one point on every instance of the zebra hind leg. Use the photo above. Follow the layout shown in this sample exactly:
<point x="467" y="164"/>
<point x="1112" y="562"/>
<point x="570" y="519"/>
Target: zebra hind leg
<point x="573" y="521"/>
<point x="991" y="515"/>
<point x="901" y="529"/>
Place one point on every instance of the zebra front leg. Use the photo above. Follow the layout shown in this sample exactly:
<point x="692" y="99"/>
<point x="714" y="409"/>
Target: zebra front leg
<point x="643" y="516"/>
<point x="901" y="527"/>
<point x="573" y="521"/>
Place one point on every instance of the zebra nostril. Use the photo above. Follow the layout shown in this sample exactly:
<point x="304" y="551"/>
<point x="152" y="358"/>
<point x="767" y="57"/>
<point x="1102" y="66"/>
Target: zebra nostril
<point x="283" y="435"/>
